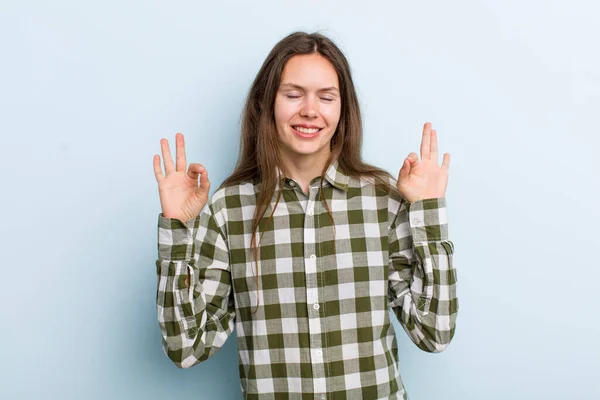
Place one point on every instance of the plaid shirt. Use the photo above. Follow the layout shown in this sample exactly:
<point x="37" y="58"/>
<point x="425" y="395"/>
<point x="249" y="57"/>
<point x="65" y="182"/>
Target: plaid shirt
<point x="322" y="329"/>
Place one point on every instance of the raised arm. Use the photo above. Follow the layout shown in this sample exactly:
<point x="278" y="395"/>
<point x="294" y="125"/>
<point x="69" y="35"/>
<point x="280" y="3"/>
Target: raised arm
<point x="194" y="299"/>
<point x="422" y="277"/>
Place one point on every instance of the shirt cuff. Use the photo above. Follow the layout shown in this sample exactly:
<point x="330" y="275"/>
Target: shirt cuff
<point x="176" y="239"/>
<point x="428" y="220"/>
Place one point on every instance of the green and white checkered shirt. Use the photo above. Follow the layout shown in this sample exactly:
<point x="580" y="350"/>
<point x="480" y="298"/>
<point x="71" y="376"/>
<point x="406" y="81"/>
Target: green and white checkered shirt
<point x="322" y="329"/>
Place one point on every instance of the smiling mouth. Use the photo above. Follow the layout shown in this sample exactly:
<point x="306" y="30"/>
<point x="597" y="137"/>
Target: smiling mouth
<point x="307" y="131"/>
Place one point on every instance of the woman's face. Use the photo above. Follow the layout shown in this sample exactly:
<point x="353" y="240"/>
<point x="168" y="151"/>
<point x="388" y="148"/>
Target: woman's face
<point x="307" y="107"/>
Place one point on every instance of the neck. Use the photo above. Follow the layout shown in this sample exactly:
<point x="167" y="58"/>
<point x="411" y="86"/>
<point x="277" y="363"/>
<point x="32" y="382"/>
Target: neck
<point x="304" y="169"/>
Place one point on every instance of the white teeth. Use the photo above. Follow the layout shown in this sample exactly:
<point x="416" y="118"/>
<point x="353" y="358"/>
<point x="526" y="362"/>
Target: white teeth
<point x="307" y="130"/>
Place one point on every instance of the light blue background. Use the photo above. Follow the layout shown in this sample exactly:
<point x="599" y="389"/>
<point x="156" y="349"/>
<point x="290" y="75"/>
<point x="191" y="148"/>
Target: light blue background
<point x="87" y="91"/>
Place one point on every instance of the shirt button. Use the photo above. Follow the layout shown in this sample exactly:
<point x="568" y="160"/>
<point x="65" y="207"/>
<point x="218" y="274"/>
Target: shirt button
<point x="323" y="396"/>
<point x="316" y="306"/>
<point x="319" y="352"/>
<point x="310" y="212"/>
<point x="313" y="257"/>
<point x="292" y="183"/>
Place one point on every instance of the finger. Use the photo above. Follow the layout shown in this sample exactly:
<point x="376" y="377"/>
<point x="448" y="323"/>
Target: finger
<point x="166" y="153"/>
<point x="446" y="161"/>
<point x="413" y="158"/>
<point x="434" y="146"/>
<point x="180" y="152"/>
<point x="194" y="170"/>
<point x="426" y="141"/>
<point x="157" y="170"/>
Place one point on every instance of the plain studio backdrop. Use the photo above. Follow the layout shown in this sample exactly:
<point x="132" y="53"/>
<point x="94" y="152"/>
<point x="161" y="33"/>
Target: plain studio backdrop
<point x="88" y="89"/>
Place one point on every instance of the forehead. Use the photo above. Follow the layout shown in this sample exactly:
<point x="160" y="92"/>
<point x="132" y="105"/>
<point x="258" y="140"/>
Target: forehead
<point x="311" y="71"/>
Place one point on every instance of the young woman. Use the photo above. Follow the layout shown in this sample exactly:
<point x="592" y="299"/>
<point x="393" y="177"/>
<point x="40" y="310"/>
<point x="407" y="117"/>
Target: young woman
<point x="305" y="247"/>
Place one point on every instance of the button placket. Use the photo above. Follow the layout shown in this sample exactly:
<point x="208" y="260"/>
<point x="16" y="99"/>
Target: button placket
<point x="312" y="294"/>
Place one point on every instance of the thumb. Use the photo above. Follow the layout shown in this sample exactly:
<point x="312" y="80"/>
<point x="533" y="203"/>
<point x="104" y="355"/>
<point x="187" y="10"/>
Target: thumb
<point x="404" y="171"/>
<point x="204" y="183"/>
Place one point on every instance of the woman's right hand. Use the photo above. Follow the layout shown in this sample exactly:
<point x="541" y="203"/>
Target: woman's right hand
<point x="180" y="196"/>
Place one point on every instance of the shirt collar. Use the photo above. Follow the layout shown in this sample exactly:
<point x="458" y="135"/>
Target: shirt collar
<point x="334" y="175"/>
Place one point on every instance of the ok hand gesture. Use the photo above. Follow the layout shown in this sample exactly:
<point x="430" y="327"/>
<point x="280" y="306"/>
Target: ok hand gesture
<point x="425" y="179"/>
<point x="180" y="196"/>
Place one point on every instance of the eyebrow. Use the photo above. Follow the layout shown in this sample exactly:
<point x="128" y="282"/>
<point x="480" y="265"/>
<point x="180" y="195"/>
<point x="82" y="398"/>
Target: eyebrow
<point x="294" y="86"/>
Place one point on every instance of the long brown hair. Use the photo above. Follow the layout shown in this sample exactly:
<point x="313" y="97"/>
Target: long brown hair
<point x="259" y="157"/>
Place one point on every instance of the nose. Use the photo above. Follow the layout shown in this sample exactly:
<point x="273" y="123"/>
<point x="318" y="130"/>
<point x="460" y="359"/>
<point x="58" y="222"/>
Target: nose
<point x="310" y="107"/>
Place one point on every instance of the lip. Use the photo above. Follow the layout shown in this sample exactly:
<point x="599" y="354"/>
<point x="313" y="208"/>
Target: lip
<point x="307" y="126"/>
<point x="306" y="135"/>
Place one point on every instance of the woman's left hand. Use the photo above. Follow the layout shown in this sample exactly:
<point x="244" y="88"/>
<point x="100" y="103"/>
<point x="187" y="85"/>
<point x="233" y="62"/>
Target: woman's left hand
<point x="425" y="179"/>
